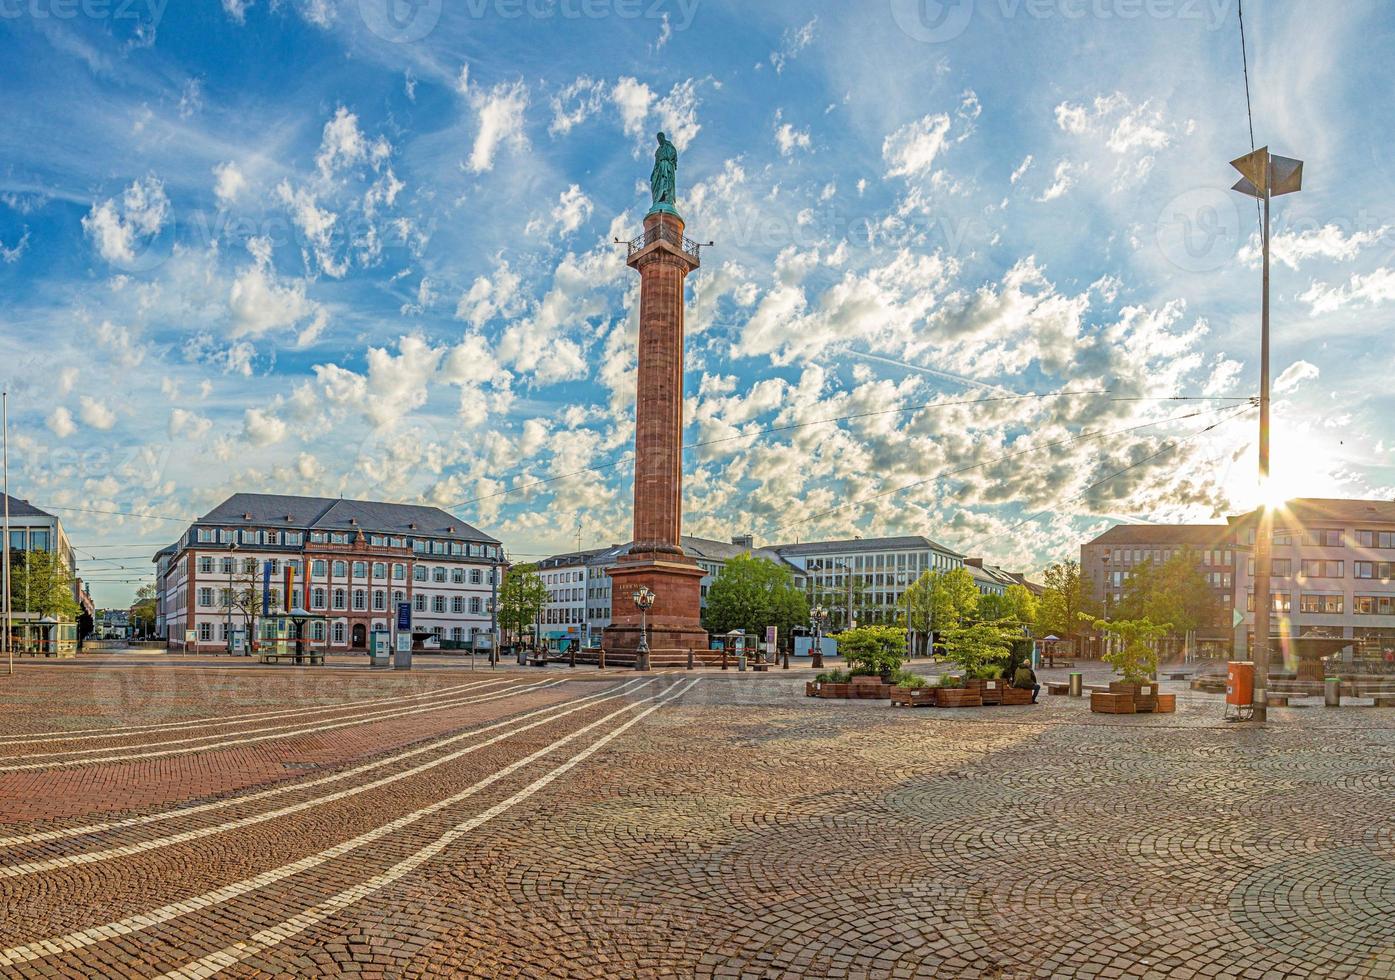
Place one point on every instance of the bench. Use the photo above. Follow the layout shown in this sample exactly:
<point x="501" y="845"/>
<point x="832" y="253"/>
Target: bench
<point x="535" y="662"/>
<point x="760" y="666"/>
<point x="1178" y="675"/>
<point x="1383" y="701"/>
<point x="313" y="657"/>
<point x="1057" y="688"/>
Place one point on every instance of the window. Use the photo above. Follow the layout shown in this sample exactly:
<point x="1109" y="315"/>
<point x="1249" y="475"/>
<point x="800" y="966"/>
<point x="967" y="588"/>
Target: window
<point x="1321" y="568"/>
<point x="1373" y="569"/>
<point x="317" y="598"/>
<point x="1376" y="539"/>
<point x="317" y="631"/>
<point x="1373" y="605"/>
<point x="379" y="600"/>
<point x="205" y="597"/>
<point x="419" y="602"/>
<point x="399" y="572"/>
<point x="340" y="599"/>
<point x="419" y="573"/>
<point x="339" y="633"/>
<point x="398" y="596"/>
<point x="318" y="567"/>
<point x="438" y="574"/>
<point x="1317" y="537"/>
<point x="457" y="633"/>
<point x="226" y="566"/>
<point x="205" y="632"/>
<point x="438" y="604"/>
<point x="1282" y="602"/>
<point x="1327" y="605"/>
<point x="476" y="576"/>
<point x="475" y="605"/>
<point x="379" y="569"/>
<point x="457" y="575"/>
<point x="457" y="604"/>
<point x="249" y="566"/>
<point x="360" y="599"/>
<point x="205" y="564"/>
<point x="360" y="569"/>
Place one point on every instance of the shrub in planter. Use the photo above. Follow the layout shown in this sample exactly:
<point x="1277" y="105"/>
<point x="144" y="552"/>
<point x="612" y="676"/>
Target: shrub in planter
<point x="1136" y="657"/>
<point x="878" y="650"/>
<point x="980" y="650"/>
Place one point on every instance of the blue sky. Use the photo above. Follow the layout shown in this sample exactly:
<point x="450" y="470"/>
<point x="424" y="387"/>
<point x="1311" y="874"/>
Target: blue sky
<point x="291" y="247"/>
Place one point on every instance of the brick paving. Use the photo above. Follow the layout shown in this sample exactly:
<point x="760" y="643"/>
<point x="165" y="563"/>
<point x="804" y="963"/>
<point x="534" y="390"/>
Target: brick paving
<point x="727" y="827"/>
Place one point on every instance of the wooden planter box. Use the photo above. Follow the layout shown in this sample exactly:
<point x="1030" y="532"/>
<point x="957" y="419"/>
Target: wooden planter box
<point x="1167" y="704"/>
<point x="1016" y="695"/>
<point x="957" y="697"/>
<point x="1108" y="703"/>
<point x="991" y="692"/>
<point x="835" y="690"/>
<point x="811" y="689"/>
<point x="1145" y="696"/>
<point x="913" y="697"/>
<point x="871" y="688"/>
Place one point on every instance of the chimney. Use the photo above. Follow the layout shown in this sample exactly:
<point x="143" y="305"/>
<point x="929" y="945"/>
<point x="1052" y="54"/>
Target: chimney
<point x="976" y="562"/>
<point x="746" y="541"/>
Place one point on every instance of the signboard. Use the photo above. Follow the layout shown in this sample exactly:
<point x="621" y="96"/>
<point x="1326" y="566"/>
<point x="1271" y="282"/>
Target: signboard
<point x="1239" y="617"/>
<point x="238" y="644"/>
<point x="771" y="634"/>
<point x="266" y="588"/>
<point x="191" y="637"/>
<point x="402" y="660"/>
<point x="404" y="616"/>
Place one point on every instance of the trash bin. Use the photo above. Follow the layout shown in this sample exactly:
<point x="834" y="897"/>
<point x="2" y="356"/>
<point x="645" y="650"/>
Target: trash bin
<point x="1077" y="684"/>
<point x="1332" y="692"/>
<point x="1240" y="683"/>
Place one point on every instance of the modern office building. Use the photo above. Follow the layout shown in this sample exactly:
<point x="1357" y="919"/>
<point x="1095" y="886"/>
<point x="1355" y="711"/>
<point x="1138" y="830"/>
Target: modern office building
<point x="36" y="630"/>
<point x="352" y="562"/>
<point x="1333" y="576"/>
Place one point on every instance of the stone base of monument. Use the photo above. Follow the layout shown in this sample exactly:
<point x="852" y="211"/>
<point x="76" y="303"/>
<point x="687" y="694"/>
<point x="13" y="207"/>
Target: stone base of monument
<point x="674" y="624"/>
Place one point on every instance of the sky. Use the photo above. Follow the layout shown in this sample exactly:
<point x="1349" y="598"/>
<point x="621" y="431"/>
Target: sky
<point x="977" y="273"/>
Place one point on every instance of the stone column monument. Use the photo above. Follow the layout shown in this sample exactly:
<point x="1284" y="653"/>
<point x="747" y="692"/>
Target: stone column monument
<point x="663" y="257"/>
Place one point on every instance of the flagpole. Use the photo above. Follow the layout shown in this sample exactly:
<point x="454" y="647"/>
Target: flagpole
<point x="5" y="442"/>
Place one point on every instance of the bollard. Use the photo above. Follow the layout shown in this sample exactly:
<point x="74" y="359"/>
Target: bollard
<point x="1332" y="692"/>
<point x="724" y="657"/>
<point x="691" y="665"/>
<point x="787" y="658"/>
<point x="1077" y="684"/>
<point x="600" y="659"/>
<point x="572" y="660"/>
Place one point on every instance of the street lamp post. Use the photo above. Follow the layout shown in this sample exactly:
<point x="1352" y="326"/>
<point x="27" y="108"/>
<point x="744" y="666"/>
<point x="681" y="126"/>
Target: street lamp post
<point x="817" y="614"/>
<point x="644" y="600"/>
<point x="227" y="625"/>
<point x="1264" y="176"/>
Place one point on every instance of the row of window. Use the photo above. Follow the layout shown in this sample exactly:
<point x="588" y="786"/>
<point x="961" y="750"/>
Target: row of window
<point x="356" y="599"/>
<point x="1330" y="605"/>
<point x="341" y="569"/>
<point x="38" y="539"/>
<point x="276" y="536"/>
<point x="915" y="561"/>
<point x="318" y="632"/>
<point x="1329" y="537"/>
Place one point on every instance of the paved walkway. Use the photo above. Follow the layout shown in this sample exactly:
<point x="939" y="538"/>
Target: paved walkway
<point x="307" y="822"/>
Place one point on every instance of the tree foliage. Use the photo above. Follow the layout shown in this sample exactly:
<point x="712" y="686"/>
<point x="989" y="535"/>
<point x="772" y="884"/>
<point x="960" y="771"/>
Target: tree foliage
<point x="873" y="649"/>
<point x="522" y="598"/>
<point x="143" y="610"/>
<point x="752" y="593"/>
<point x="1136" y="655"/>
<point x="1173" y="592"/>
<point x="980" y="649"/>
<point x="1065" y="598"/>
<point x="41" y="583"/>
<point x="940" y="600"/>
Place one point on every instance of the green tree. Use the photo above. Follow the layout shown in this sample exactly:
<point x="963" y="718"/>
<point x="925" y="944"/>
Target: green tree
<point x="1020" y="605"/>
<point x="1065" y="598"/>
<point x="41" y="583"/>
<point x="522" y="597"/>
<point x="979" y="649"/>
<point x="752" y="593"/>
<point x="143" y="611"/>
<point x="873" y="649"/>
<point x="1136" y="655"/>
<point x="1173" y="592"/>
<point x="939" y="600"/>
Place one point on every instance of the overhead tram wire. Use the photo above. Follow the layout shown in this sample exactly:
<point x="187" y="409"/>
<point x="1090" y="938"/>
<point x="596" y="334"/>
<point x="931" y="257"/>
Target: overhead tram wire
<point x="1085" y="437"/>
<point x="1249" y="107"/>
<point x="598" y="467"/>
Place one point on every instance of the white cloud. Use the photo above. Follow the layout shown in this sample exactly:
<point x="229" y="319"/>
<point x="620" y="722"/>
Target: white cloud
<point x="794" y="41"/>
<point x="789" y="139"/>
<point x="394" y="386"/>
<point x="60" y="422"/>
<point x="344" y="145"/>
<point x="316" y="224"/>
<point x="491" y="297"/>
<point x="117" y="228"/>
<point x="911" y="150"/>
<point x="1063" y="179"/>
<point x="259" y="303"/>
<point x="633" y="98"/>
<point x="573" y="209"/>
<point x="1327" y="242"/>
<point x="1022" y="169"/>
<point x="9" y="255"/>
<point x="500" y="122"/>
<point x="229" y="182"/>
<point x="677" y="114"/>
<point x="1295" y="375"/>
<point x="67" y="381"/>
<point x="186" y="423"/>
<point x="95" y="413"/>
<point x="237" y="9"/>
<point x="1372" y="290"/>
<point x="575" y="103"/>
<point x="261" y="428"/>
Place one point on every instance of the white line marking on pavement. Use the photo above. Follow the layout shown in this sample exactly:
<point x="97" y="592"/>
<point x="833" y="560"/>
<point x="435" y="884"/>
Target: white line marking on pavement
<point x="239" y="741"/>
<point x="91" y="857"/>
<point x="214" y="722"/>
<point x="87" y="937"/>
<point x="220" y="960"/>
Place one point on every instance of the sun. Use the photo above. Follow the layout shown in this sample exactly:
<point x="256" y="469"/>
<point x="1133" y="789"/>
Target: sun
<point x="1303" y="463"/>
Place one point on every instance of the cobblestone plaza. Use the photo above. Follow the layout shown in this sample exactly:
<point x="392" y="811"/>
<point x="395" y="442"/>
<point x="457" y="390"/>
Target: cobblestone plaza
<point x="206" y="819"/>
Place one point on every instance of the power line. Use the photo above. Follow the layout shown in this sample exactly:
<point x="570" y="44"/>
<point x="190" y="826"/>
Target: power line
<point x="998" y="459"/>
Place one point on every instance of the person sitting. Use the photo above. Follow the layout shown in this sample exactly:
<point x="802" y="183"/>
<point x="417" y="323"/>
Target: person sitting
<point x="1027" y="677"/>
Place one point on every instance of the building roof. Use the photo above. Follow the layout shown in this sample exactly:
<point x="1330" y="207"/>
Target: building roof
<point x="914" y="542"/>
<point x="338" y="514"/>
<point x="1303" y="510"/>
<point x="23" y="508"/>
<point x="1164" y="534"/>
